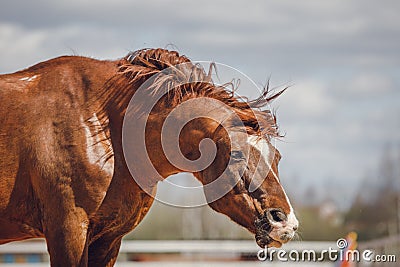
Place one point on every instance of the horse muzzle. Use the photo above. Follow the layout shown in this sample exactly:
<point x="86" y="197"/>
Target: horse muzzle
<point x="274" y="228"/>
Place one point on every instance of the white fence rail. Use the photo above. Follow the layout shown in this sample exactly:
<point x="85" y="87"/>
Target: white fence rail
<point x="213" y="253"/>
<point x="383" y="246"/>
<point x="180" y="253"/>
<point x="172" y="246"/>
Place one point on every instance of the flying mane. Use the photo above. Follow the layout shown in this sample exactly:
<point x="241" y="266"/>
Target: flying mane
<point x="183" y="77"/>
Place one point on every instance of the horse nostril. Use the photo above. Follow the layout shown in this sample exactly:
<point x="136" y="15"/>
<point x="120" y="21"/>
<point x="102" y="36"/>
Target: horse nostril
<point x="295" y="228"/>
<point x="276" y="215"/>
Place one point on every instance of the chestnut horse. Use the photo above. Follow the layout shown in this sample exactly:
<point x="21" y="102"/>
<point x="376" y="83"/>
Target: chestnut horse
<point x="64" y="172"/>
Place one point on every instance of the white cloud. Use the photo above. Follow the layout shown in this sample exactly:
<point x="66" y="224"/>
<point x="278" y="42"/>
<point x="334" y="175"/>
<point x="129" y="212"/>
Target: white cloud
<point x="371" y="84"/>
<point x="22" y="47"/>
<point x="19" y="45"/>
<point x="307" y="99"/>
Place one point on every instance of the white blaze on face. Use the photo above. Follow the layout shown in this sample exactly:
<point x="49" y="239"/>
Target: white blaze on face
<point x="96" y="144"/>
<point x="264" y="148"/>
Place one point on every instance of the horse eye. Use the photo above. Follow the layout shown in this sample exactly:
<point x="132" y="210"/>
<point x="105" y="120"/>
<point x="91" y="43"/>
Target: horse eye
<point x="237" y="154"/>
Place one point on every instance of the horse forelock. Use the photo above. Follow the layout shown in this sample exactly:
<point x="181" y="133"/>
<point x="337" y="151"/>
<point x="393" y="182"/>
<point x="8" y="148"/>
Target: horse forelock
<point x="140" y="65"/>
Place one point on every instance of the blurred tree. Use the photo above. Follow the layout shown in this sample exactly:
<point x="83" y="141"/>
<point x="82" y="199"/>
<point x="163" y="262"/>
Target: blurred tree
<point x="316" y="227"/>
<point x="375" y="213"/>
<point x="310" y="196"/>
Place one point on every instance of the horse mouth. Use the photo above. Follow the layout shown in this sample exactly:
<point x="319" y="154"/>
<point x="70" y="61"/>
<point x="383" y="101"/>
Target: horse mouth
<point x="263" y="236"/>
<point x="264" y="239"/>
<point x="263" y="230"/>
<point x="267" y="241"/>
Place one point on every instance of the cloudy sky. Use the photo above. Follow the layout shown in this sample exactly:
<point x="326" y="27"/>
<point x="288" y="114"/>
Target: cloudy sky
<point x="341" y="58"/>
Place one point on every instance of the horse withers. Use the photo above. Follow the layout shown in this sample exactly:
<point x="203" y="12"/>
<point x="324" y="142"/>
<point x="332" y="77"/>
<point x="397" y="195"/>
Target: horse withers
<point x="69" y="172"/>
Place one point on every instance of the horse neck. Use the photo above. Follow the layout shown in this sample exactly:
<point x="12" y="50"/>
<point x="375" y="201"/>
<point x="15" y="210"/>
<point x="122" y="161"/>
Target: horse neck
<point x="189" y="138"/>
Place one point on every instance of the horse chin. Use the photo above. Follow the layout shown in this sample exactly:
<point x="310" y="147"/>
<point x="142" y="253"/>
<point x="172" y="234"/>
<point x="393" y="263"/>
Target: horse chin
<point x="267" y="241"/>
<point x="263" y="233"/>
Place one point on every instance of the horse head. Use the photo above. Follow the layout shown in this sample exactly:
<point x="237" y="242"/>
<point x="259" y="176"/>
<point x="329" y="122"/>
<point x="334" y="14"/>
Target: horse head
<point x="192" y="125"/>
<point x="257" y="199"/>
